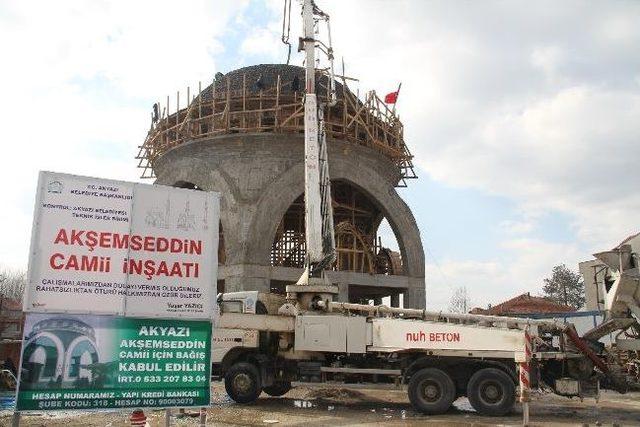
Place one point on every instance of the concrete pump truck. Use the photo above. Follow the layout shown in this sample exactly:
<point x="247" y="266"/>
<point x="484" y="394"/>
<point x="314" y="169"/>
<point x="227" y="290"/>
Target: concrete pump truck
<point x="269" y="343"/>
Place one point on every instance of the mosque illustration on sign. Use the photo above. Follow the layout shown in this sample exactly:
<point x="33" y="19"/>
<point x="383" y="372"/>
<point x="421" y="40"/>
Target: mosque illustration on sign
<point x="158" y="217"/>
<point x="61" y="352"/>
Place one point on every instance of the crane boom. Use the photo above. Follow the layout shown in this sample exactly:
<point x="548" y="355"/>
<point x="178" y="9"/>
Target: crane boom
<point x="320" y="240"/>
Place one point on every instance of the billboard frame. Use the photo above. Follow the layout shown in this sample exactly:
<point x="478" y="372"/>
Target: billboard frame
<point x="36" y="232"/>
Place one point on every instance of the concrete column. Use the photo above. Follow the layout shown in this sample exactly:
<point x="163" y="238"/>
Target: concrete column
<point x="343" y="292"/>
<point x="395" y="300"/>
<point x="243" y="283"/>
<point x="414" y="297"/>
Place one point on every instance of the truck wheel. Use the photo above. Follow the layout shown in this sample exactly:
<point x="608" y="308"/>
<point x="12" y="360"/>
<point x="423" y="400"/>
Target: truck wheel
<point x="431" y="391"/>
<point x="491" y="392"/>
<point x="242" y="382"/>
<point x="278" y="389"/>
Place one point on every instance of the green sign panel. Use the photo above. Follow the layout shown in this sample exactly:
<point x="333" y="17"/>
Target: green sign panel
<point x="94" y="362"/>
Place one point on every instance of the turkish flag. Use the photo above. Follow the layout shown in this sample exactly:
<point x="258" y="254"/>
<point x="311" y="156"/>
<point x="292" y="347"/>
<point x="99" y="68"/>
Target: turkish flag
<point x="391" y="98"/>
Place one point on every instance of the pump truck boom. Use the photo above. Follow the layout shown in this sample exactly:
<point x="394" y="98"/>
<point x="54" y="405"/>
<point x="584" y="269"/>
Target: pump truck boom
<point x="319" y="236"/>
<point x="268" y="342"/>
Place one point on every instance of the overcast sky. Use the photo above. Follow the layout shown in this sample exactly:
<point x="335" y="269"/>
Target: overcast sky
<point x="524" y="117"/>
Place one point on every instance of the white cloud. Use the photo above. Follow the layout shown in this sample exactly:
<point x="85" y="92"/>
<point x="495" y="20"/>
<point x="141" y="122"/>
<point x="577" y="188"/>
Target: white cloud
<point x="574" y="152"/>
<point x="78" y="81"/>
<point x="528" y="262"/>
<point x="548" y="59"/>
<point x="620" y="28"/>
<point x="517" y="226"/>
<point x="538" y="104"/>
<point x="513" y="102"/>
<point x="262" y="41"/>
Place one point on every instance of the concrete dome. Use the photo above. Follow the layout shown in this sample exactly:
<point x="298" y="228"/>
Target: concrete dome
<point x="267" y="74"/>
<point x="247" y="142"/>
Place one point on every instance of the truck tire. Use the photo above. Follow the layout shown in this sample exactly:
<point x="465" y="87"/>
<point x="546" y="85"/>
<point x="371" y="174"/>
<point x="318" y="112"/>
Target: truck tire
<point x="491" y="392"/>
<point x="431" y="391"/>
<point x="242" y="382"/>
<point x="278" y="389"/>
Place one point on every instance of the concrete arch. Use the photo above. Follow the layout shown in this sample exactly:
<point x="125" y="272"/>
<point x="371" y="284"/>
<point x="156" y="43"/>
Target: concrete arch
<point x="70" y="348"/>
<point x="206" y="179"/>
<point x="39" y="356"/>
<point x="281" y="193"/>
<point x="59" y="349"/>
<point x="260" y="175"/>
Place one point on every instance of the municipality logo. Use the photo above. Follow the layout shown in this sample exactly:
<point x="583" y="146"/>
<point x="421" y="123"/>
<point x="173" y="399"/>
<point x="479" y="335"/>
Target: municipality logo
<point x="54" y="187"/>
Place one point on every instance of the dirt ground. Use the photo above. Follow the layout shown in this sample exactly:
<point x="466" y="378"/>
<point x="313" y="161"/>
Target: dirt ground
<point x="340" y="407"/>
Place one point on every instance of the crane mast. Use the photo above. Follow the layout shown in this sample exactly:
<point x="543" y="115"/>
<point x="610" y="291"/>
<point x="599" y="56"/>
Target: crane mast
<point x="319" y="233"/>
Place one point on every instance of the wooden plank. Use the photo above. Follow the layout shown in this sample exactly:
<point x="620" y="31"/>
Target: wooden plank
<point x="213" y="104"/>
<point x="226" y="108"/>
<point x="244" y="98"/>
<point x="277" y="113"/>
<point x="177" y="106"/>
<point x="295" y="114"/>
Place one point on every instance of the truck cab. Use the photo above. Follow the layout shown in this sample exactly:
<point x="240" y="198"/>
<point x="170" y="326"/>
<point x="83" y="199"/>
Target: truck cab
<point x="230" y="345"/>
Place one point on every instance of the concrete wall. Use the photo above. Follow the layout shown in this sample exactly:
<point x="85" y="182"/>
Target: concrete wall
<point x="260" y="175"/>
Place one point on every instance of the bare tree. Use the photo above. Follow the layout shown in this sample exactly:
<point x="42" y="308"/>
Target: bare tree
<point x="12" y="283"/>
<point x="459" y="302"/>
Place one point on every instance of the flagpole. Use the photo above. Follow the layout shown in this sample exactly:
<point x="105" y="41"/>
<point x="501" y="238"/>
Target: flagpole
<point x="397" y="95"/>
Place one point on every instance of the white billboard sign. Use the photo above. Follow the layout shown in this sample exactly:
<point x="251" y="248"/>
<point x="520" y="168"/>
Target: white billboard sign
<point x="111" y="247"/>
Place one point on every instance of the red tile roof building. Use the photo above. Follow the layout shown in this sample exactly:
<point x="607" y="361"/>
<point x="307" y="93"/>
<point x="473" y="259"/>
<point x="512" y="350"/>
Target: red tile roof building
<point x="524" y="304"/>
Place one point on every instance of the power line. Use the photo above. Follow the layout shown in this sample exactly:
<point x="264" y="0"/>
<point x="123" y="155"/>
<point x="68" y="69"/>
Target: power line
<point x="437" y="264"/>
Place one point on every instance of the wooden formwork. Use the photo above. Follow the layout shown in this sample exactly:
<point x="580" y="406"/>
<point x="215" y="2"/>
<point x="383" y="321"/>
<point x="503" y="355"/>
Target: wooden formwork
<point x="358" y="248"/>
<point x="277" y="109"/>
